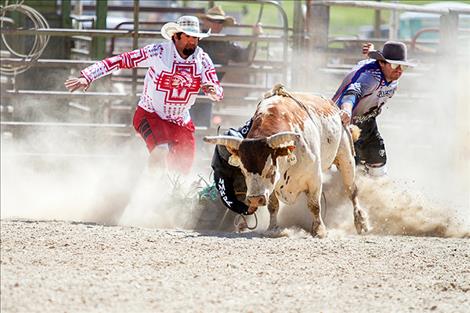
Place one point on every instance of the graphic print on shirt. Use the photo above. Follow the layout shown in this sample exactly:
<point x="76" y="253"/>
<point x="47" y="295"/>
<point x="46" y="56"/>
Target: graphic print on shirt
<point x="125" y="60"/>
<point x="211" y="76"/>
<point x="223" y="195"/>
<point x="130" y="59"/>
<point x="170" y="85"/>
<point x="180" y="83"/>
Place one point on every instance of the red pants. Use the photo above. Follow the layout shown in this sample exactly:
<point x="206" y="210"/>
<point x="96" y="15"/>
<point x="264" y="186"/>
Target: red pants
<point x="180" y="139"/>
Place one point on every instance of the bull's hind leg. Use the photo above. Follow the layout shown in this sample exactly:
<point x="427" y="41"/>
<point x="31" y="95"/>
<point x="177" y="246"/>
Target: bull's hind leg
<point x="346" y="165"/>
<point x="318" y="227"/>
<point x="273" y="208"/>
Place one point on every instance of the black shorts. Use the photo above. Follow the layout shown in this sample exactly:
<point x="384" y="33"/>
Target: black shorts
<point x="370" y="147"/>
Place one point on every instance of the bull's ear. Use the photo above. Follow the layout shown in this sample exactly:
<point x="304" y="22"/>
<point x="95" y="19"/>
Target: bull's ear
<point x="290" y="148"/>
<point x="285" y="151"/>
<point x="233" y="159"/>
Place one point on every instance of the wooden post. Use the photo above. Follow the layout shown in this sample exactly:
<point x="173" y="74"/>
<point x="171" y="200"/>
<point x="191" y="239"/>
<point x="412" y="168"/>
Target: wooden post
<point x="448" y="34"/>
<point x="66" y="23"/>
<point x="298" y="52"/>
<point x="99" y="46"/>
<point x="318" y="25"/>
<point x="65" y="12"/>
<point x="318" y="20"/>
<point x="377" y="23"/>
<point x="298" y="25"/>
<point x="393" y="27"/>
<point x="135" y="44"/>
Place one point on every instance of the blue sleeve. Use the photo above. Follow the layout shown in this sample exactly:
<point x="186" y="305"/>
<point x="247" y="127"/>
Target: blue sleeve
<point x="361" y="85"/>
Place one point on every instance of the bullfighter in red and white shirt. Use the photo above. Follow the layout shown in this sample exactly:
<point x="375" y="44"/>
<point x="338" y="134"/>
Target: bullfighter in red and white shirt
<point x="177" y="70"/>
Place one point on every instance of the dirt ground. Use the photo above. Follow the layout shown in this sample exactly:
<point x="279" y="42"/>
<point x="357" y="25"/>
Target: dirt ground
<point x="57" y="255"/>
<point x="54" y="266"/>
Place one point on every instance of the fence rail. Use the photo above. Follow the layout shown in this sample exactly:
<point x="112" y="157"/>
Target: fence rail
<point x="392" y="6"/>
<point x="282" y="67"/>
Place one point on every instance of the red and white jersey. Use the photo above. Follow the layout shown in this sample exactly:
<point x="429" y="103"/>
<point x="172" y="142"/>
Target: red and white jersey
<point x="171" y="83"/>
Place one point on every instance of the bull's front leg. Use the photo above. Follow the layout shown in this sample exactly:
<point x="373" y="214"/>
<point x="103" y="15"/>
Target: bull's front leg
<point x="318" y="227"/>
<point x="273" y="208"/>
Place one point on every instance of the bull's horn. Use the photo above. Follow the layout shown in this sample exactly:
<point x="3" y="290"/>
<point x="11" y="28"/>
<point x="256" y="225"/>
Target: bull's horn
<point x="228" y="141"/>
<point x="279" y="139"/>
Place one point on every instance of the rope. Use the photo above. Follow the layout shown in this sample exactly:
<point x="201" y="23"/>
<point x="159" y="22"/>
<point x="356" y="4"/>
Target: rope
<point x="39" y="44"/>
<point x="280" y="90"/>
<point x="324" y="205"/>
<point x="236" y="221"/>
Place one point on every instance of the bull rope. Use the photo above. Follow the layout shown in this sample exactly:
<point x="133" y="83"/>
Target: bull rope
<point x="324" y="206"/>
<point x="350" y="139"/>
<point x="279" y="90"/>
<point x="39" y="44"/>
<point x="237" y="219"/>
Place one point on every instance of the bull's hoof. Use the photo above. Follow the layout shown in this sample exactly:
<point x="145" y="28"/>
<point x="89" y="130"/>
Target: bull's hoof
<point x="319" y="232"/>
<point x="274" y="228"/>
<point x="361" y="228"/>
<point x="361" y="222"/>
<point x="240" y="228"/>
<point x="274" y="232"/>
<point x="240" y="224"/>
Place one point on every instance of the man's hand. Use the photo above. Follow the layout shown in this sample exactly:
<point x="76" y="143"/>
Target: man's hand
<point x="367" y="47"/>
<point x="258" y="29"/>
<point x="345" y="117"/>
<point x="346" y="112"/>
<point x="75" y="83"/>
<point x="209" y="90"/>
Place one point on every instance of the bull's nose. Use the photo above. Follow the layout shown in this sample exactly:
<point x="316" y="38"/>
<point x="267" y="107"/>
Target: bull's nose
<point x="257" y="200"/>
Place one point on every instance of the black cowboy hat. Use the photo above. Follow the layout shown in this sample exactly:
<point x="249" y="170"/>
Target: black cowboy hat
<point x="392" y="52"/>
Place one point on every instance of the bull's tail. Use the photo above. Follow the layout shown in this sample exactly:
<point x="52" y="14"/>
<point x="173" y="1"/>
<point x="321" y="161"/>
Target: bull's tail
<point x="353" y="132"/>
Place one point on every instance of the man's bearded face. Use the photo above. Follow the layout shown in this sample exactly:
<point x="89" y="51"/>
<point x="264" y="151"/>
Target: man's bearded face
<point x="186" y="45"/>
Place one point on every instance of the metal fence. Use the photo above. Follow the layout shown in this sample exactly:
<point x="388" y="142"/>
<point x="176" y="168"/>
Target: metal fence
<point x="110" y="105"/>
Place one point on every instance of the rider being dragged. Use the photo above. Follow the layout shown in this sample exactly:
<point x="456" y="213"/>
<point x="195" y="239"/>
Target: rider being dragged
<point x="229" y="179"/>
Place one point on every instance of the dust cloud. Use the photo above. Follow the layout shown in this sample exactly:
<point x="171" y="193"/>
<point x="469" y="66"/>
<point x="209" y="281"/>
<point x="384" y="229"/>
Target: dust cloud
<point x="60" y="185"/>
<point x="426" y="131"/>
<point x="93" y="181"/>
<point x="425" y="128"/>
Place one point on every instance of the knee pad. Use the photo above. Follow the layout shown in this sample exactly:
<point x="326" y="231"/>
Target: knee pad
<point x="376" y="171"/>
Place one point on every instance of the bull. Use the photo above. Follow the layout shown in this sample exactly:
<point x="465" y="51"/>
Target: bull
<point x="294" y="138"/>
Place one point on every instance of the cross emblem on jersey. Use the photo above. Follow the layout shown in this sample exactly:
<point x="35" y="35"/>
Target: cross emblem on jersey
<point x="180" y="83"/>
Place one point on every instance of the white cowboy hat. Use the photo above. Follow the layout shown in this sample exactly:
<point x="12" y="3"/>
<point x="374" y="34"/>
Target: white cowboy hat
<point x="185" y="24"/>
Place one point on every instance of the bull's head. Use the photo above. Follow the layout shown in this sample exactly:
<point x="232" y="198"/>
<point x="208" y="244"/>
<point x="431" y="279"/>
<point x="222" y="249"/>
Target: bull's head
<point x="258" y="160"/>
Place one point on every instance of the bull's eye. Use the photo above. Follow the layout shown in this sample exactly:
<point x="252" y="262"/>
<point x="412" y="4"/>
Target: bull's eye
<point x="272" y="174"/>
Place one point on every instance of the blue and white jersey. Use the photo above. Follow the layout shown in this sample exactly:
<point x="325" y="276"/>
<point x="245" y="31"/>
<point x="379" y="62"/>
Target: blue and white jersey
<point x="366" y="88"/>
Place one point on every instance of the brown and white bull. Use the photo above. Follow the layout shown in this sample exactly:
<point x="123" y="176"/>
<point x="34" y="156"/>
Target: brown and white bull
<point x="294" y="138"/>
